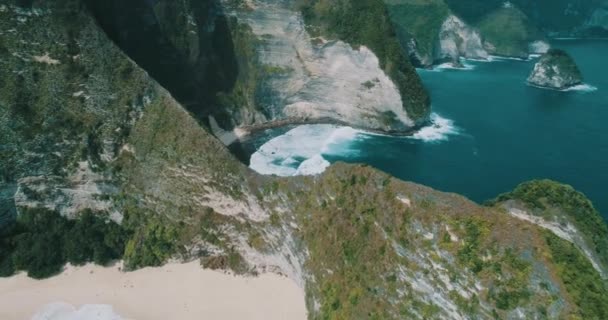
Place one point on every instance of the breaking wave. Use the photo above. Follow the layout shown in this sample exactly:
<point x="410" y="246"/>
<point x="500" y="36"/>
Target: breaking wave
<point x="440" y="130"/>
<point x="582" y="88"/>
<point x="303" y="150"/>
<point x="300" y="151"/>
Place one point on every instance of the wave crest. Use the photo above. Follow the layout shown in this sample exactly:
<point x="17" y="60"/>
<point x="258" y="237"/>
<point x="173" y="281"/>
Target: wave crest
<point x="300" y="151"/>
<point x="440" y="130"/>
<point x="582" y="88"/>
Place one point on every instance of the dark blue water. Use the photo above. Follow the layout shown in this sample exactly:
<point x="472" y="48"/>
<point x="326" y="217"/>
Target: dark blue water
<point x="510" y="132"/>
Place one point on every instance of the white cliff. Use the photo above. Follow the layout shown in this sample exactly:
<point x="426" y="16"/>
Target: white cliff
<point x="457" y="39"/>
<point x="320" y="79"/>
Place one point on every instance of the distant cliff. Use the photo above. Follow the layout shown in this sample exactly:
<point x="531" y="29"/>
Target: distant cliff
<point x="507" y="28"/>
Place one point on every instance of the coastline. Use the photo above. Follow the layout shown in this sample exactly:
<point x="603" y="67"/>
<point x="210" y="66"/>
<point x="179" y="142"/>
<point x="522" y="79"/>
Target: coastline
<point x="174" y="291"/>
<point x="245" y="132"/>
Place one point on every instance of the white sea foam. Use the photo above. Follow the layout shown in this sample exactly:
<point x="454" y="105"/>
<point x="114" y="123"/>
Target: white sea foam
<point x="65" y="311"/>
<point x="302" y="150"/>
<point x="585" y="88"/>
<point x="450" y="66"/>
<point x="440" y="130"/>
<point x="504" y="58"/>
<point x="315" y="165"/>
<point x="582" y="88"/>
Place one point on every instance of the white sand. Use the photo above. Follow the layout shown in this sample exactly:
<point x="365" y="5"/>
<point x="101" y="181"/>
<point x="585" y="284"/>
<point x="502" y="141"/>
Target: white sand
<point x="175" y="291"/>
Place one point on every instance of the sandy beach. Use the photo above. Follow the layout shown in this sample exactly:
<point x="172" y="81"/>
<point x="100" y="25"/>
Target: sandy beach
<point x="174" y="291"/>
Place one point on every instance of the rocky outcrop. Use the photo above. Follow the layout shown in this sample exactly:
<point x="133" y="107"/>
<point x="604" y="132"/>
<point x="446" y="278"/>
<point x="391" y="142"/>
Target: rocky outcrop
<point x="457" y="39"/>
<point x="555" y="70"/>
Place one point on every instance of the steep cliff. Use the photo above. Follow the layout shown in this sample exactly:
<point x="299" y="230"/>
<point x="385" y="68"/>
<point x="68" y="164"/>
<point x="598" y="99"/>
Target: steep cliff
<point x="458" y="40"/>
<point x="367" y="24"/>
<point x="418" y="24"/>
<point x="89" y="135"/>
<point x="432" y="34"/>
<point x="507" y="31"/>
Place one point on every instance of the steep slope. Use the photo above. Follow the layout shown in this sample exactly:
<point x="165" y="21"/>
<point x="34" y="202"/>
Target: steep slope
<point x="508" y="32"/>
<point x="432" y="34"/>
<point x="553" y="17"/>
<point x="435" y="31"/>
<point x="418" y="24"/>
<point x="362" y="244"/>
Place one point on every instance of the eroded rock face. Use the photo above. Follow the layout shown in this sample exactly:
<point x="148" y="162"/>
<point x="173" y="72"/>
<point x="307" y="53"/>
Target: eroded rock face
<point x="308" y="79"/>
<point x="457" y="39"/>
<point x="556" y="70"/>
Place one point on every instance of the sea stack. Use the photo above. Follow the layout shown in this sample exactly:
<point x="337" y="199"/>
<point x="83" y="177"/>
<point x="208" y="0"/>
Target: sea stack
<point x="555" y="70"/>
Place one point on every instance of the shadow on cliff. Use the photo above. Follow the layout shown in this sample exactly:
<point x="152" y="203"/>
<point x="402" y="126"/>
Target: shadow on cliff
<point x="194" y="71"/>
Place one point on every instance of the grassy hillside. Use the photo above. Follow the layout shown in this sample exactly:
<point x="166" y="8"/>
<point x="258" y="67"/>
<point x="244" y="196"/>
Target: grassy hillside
<point x="563" y="17"/>
<point x="367" y="23"/>
<point x="508" y="31"/>
<point x="550" y="199"/>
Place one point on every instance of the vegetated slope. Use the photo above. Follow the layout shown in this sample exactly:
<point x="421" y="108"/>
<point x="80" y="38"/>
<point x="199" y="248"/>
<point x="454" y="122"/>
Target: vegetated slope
<point x="561" y="17"/>
<point x="507" y="31"/>
<point x="506" y="27"/>
<point x="421" y="21"/>
<point x="361" y="243"/>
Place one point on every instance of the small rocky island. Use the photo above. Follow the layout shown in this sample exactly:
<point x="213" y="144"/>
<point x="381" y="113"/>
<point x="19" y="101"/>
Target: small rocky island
<point x="556" y="70"/>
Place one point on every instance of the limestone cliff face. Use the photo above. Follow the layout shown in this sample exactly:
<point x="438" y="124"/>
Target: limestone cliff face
<point x="221" y="60"/>
<point x="555" y="70"/>
<point x="457" y="39"/>
<point x="305" y="79"/>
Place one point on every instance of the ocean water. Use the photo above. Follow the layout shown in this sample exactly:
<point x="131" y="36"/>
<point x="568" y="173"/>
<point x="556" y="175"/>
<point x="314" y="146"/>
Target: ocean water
<point x="491" y="132"/>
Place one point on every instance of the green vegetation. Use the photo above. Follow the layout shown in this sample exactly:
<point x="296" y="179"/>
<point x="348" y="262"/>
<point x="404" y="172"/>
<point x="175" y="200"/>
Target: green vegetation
<point x="563" y="16"/>
<point x="418" y="19"/>
<point x="509" y="32"/>
<point x="473" y="10"/>
<point x="152" y="243"/>
<point x="551" y="198"/>
<point x="367" y="23"/>
<point x="41" y="242"/>
<point x="583" y="284"/>
<point x="565" y="63"/>
<point x="470" y="253"/>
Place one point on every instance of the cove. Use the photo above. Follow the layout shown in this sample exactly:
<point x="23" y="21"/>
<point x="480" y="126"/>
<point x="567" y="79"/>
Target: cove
<point x="491" y="133"/>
